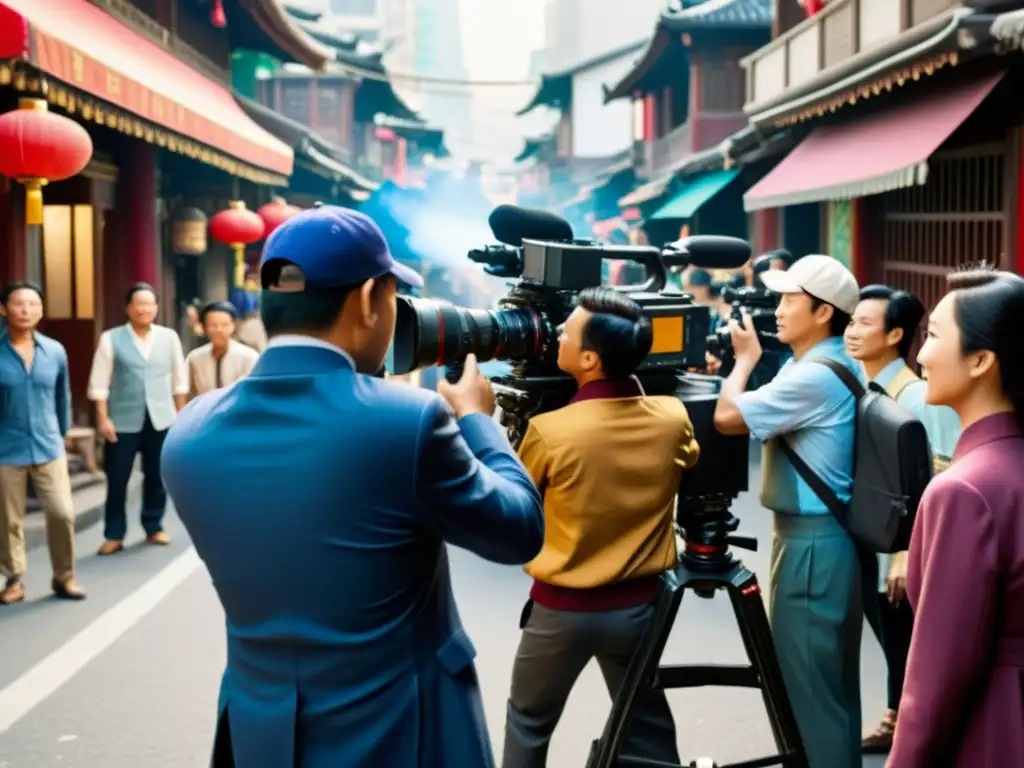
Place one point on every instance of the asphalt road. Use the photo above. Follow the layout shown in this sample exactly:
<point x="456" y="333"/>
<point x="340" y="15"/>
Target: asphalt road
<point x="128" y="679"/>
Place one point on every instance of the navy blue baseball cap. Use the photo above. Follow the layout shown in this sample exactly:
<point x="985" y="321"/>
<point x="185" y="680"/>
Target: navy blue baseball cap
<point x="332" y="247"/>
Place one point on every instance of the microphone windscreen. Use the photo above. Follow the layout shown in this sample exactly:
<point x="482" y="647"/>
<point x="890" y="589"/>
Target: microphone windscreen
<point x="708" y="252"/>
<point x="512" y="224"/>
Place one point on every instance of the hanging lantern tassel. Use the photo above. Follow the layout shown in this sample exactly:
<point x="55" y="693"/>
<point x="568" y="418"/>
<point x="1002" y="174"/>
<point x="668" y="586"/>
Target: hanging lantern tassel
<point x="239" y="263"/>
<point x="33" y="200"/>
<point x="217" y="17"/>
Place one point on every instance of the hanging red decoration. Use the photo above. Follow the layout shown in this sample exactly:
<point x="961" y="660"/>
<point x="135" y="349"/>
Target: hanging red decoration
<point x="812" y="7"/>
<point x="276" y="212"/>
<point x="217" y="16"/>
<point x="37" y="147"/>
<point x="238" y="227"/>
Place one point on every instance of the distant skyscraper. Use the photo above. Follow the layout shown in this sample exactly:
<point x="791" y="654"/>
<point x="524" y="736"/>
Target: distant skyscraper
<point x="438" y="53"/>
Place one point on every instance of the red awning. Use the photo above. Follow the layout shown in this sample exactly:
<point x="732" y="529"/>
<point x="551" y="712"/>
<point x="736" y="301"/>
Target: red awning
<point x="878" y="153"/>
<point x="80" y="44"/>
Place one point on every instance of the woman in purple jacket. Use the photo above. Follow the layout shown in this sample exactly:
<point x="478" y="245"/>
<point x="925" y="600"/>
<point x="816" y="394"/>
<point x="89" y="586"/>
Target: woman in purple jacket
<point x="963" y="701"/>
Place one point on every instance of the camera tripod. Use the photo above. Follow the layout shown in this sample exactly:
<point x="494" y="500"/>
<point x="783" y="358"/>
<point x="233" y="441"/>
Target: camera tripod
<point x="705" y="566"/>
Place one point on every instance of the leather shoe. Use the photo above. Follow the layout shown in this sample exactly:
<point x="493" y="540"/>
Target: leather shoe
<point x="12" y="593"/>
<point x="110" y="547"/>
<point x="159" y="538"/>
<point x="68" y="589"/>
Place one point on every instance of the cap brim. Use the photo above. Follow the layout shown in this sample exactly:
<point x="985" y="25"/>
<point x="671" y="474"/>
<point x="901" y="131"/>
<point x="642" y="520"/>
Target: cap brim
<point x="780" y="281"/>
<point x="406" y="274"/>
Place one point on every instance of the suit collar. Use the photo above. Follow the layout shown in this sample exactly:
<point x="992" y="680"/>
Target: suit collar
<point x="608" y="389"/>
<point x="998" y="426"/>
<point x="297" y="340"/>
<point x="292" y="360"/>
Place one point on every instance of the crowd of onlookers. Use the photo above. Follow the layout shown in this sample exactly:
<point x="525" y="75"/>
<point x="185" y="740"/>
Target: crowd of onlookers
<point x="140" y="378"/>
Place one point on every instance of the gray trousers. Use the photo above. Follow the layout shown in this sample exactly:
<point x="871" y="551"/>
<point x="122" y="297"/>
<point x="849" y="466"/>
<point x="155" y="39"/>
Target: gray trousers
<point x="554" y="649"/>
<point x="817" y="615"/>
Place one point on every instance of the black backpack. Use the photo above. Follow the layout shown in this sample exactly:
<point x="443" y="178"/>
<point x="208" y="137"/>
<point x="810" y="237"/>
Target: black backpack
<point x="892" y="465"/>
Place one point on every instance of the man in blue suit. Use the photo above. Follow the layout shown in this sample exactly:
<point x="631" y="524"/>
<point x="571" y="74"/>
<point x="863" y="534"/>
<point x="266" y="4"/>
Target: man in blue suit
<point x="321" y="498"/>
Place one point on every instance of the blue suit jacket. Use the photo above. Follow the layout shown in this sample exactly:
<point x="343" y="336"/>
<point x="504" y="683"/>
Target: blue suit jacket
<point x="320" y="500"/>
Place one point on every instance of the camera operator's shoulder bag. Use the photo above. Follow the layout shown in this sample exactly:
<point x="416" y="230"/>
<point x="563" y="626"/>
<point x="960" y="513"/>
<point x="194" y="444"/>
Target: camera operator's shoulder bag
<point x="892" y="465"/>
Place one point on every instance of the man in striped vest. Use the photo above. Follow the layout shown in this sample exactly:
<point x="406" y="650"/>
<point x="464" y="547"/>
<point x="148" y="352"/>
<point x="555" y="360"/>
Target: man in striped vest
<point x="139" y="381"/>
<point x="880" y="335"/>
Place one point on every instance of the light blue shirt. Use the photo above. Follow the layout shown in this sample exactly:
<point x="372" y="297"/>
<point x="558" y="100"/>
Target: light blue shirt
<point x="35" y="405"/>
<point x="812" y="406"/>
<point x="941" y="424"/>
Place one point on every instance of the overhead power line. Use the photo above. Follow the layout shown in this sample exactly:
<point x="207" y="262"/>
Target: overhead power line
<point x="368" y="74"/>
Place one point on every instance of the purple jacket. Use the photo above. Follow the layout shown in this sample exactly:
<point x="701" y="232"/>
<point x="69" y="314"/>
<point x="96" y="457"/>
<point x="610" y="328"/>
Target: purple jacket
<point x="963" y="700"/>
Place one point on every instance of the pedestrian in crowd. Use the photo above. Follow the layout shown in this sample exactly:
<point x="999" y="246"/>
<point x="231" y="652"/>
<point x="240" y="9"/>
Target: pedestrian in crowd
<point x="35" y="415"/>
<point x="816" y="605"/>
<point x="192" y="335"/>
<point x="250" y="326"/>
<point x="320" y="498"/>
<point x="222" y="361"/>
<point x="139" y="381"/>
<point x="880" y="337"/>
<point x="963" y="699"/>
<point x="608" y="465"/>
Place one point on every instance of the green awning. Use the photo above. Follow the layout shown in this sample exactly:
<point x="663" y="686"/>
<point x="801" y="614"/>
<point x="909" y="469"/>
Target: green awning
<point x="688" y="200"/>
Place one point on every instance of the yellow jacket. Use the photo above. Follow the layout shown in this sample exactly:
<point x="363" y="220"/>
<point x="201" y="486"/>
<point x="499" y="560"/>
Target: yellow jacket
<point x="608" y="468"/>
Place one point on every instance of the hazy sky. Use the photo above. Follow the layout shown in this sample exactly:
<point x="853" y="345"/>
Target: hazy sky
<point x="498" y="37"/>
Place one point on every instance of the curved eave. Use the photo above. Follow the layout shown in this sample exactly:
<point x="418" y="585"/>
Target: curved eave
<point x="301" y="12"/>
<point x="336" y="41"/>
<point x="553" y="92"/>
<point x="279" y="27"/>
<point x="634" y="78"/>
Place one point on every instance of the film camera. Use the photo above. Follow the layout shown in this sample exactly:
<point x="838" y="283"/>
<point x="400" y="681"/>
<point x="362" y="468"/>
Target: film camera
<point x="552" y="268"/>
<point x="538" y="248"/>
<point x="759" y="303"/>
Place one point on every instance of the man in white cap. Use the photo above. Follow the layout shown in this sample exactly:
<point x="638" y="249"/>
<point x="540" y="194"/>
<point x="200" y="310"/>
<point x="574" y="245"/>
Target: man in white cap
<point x="816" y="607"/>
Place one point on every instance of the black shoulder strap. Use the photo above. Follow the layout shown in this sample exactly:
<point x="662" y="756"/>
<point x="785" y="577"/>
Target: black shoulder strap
<point x="848" y="377"/>
<point x="819" y="486"/>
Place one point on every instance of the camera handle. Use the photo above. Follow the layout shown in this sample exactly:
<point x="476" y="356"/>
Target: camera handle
<point x="650" y="258"/>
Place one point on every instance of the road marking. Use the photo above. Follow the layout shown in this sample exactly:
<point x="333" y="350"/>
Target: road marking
<point x="45" y="678"/>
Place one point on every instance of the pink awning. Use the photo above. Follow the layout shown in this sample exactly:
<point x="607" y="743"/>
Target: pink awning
<point x="878" y="153"/>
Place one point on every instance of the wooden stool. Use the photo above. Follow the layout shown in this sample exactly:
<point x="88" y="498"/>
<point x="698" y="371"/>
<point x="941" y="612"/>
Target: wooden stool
<point x="82" y="441"/>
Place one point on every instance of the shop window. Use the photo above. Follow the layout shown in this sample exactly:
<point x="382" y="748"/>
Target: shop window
<point x="68" y="262"/>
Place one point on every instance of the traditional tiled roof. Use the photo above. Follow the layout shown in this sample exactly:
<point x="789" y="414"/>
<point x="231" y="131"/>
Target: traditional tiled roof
<point x="731" y="14"/>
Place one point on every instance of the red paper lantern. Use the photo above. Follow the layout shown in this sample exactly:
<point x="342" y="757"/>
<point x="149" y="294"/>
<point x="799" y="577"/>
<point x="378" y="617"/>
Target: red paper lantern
<point x="238" y="227"/>
<point x="217" y="17"/>
<point x="275" y="213"/>
<point x="37" y="147"/>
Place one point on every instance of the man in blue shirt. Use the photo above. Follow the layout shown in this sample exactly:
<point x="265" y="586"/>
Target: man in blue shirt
<point x="880" y="337"/>
<point x="35" y="414"/>
<point x="816" y="605"/>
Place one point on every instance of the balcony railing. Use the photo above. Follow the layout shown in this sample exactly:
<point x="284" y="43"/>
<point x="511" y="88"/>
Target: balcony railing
<point x="150" y="28"/>
<point x="844" y="28"/>
<point x="655" y="158"/>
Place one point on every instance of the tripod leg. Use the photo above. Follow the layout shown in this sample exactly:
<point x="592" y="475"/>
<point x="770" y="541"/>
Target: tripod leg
<point x="605" y="751"/>
<point x="745" y="594"/>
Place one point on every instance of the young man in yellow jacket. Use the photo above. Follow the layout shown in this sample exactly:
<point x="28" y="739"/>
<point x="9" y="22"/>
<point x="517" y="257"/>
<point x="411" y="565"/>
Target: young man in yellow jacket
<point x="608" y="466"/>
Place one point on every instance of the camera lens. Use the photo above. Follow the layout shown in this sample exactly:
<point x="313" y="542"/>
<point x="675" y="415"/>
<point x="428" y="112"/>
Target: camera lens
<point x="438" y="333"/>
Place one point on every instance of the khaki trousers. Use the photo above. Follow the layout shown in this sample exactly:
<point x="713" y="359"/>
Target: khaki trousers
<point x="53" y="486"/>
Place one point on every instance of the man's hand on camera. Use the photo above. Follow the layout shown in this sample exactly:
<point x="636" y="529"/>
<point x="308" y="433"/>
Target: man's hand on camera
<point x="745" y="343"/>
<point x="472" y="393"/>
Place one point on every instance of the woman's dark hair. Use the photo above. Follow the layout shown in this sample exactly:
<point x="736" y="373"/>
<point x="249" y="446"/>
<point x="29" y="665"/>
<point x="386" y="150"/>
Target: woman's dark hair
<point x="989" y="310"/>
<point x="839" y="320"/>
<point x="5" y="295"/>
<point x="218" y="306"/>
<point x="904" y="310"/>
<point x="139" y="288"/>
<point x="618" y="331"/>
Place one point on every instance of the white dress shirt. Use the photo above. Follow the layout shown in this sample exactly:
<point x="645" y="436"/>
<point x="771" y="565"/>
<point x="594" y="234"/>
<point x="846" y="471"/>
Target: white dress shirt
<point x="103" y="362"/>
